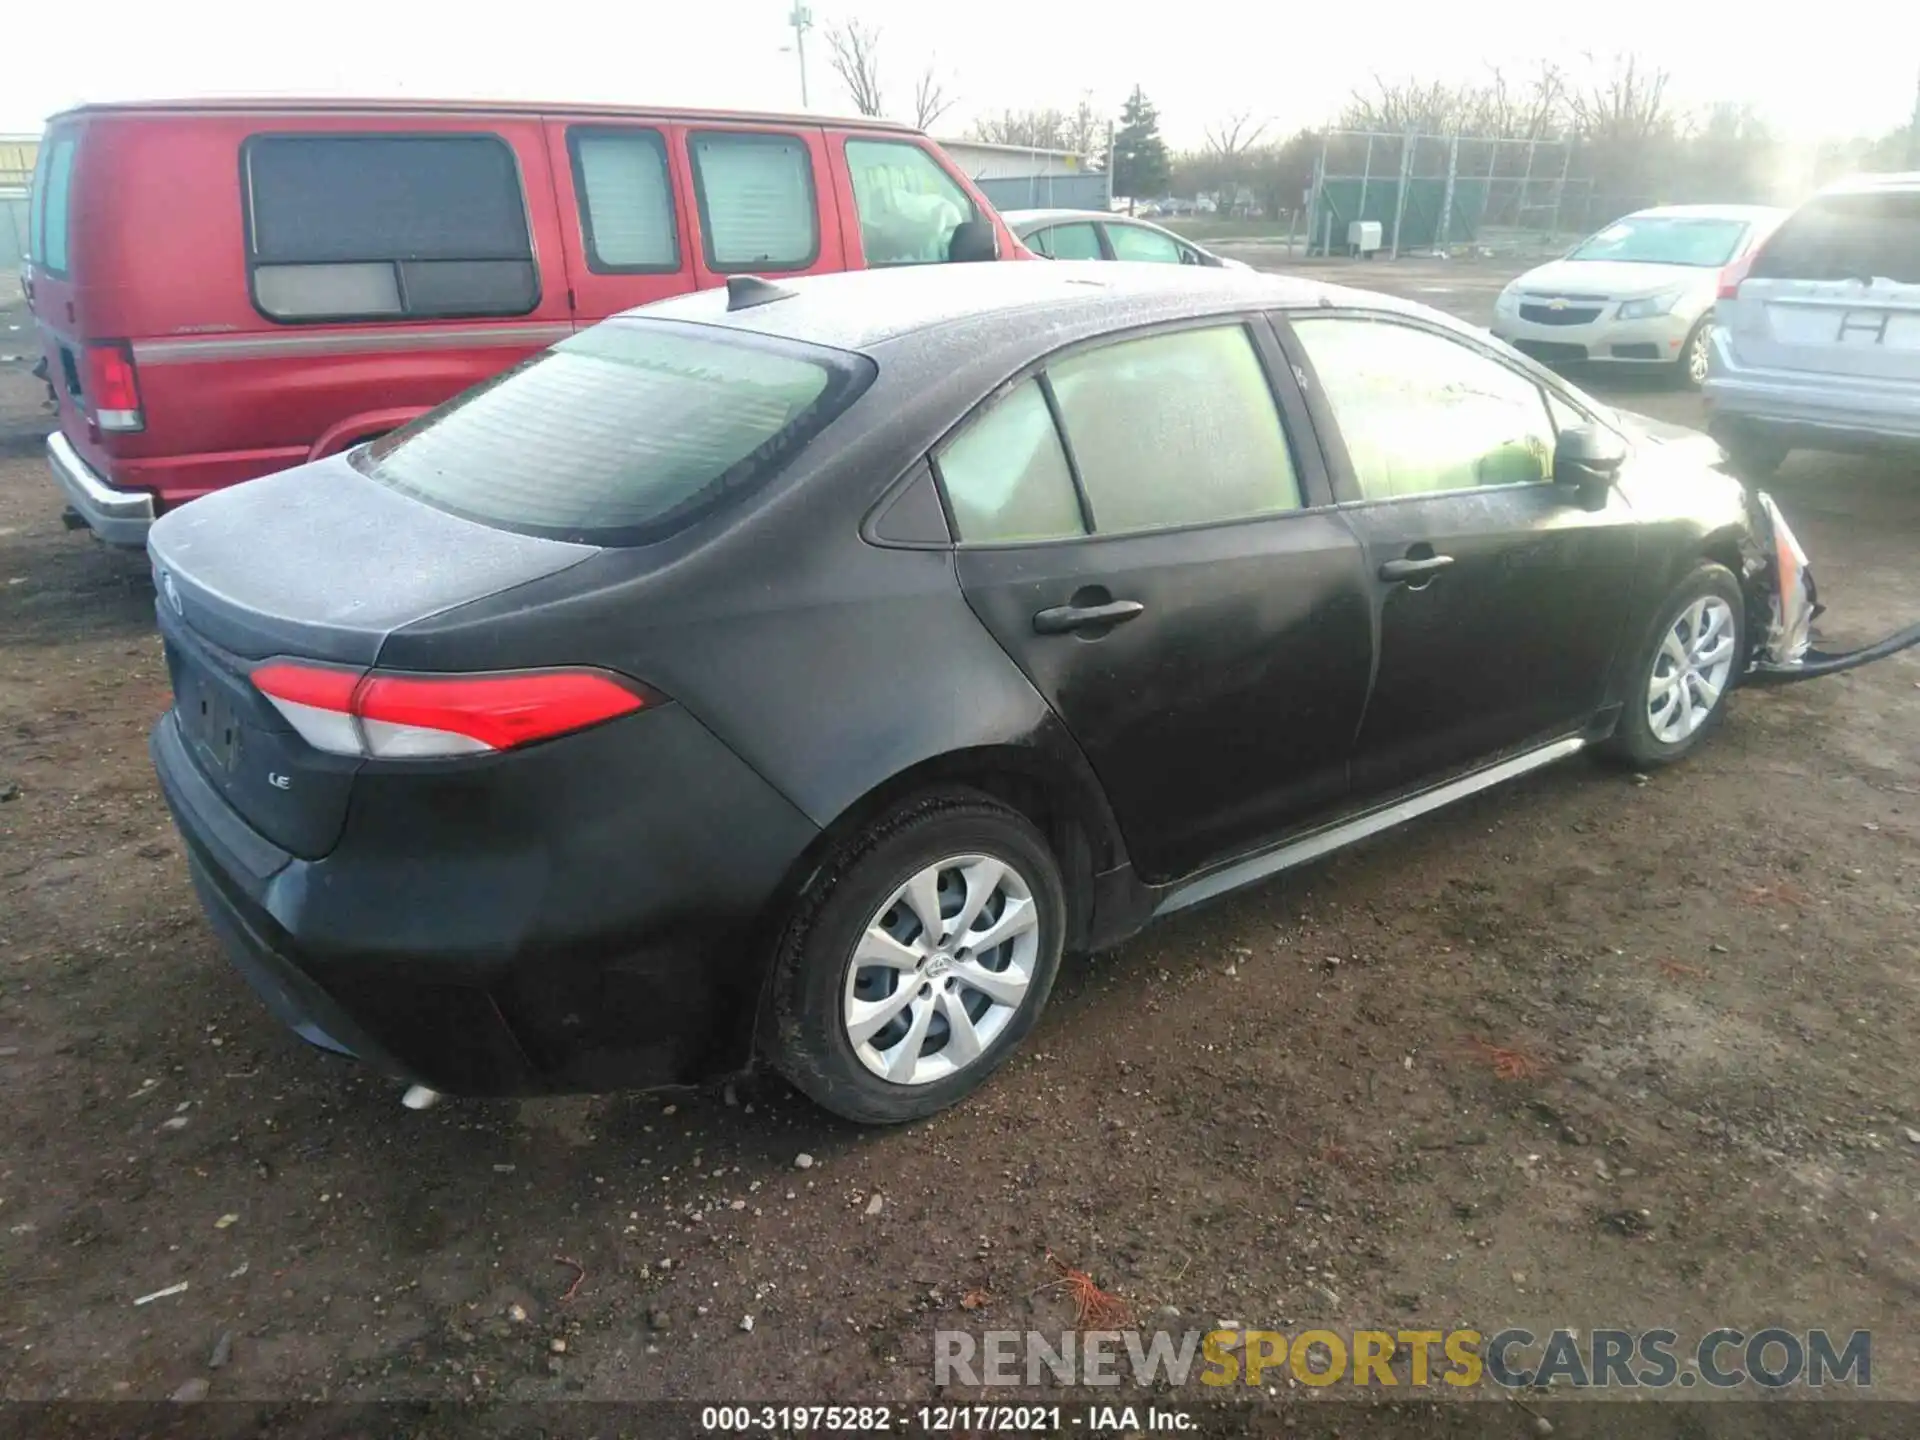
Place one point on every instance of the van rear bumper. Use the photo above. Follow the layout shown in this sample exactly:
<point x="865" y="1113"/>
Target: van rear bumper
<point x="119" y="517"/>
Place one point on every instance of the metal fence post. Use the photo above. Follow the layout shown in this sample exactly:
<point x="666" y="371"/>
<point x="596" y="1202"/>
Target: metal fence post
<point x="1400" y="199"/>
<point x="1444" y="234"/>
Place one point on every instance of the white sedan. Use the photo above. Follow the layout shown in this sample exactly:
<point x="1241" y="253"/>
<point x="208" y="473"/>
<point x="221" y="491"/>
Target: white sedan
<point x="1084" y="235"/>
<point x="1640" y="292"/>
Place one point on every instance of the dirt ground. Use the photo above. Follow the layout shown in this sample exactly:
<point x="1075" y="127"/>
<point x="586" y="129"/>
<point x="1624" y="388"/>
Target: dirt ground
<point x="1299" y="1105"/>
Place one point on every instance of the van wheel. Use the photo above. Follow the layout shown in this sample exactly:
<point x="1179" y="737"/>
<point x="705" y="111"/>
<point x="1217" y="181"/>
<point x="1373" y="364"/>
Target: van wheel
<point x="1692" y="658"/>
<point x="918" y="959"/>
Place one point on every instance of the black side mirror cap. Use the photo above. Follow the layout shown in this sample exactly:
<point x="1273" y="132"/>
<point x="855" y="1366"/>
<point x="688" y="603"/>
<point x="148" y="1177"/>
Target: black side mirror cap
<point x="973" y="240"/>
<point x="1587" y="460"/>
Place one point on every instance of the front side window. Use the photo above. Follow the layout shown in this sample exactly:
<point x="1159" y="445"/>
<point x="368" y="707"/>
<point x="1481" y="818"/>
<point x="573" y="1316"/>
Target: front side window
<point x="621" y="434"/>
<point x="1006" y="475"/>
<point x="756" y="200"/>
<point x="1136" y="242"/>
<point x="1177" y="429"/>
<point x="345" y="227"/>
<point x="1423" y="413"/>
<point x="909" y="207"/>
<point x="1078" y="241"/>
<point x="626" y="199"/>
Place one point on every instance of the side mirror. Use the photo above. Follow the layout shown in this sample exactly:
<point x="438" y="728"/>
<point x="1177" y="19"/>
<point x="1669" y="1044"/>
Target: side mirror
<point x="973" y="240"/>
<point x="1587" y="459"/>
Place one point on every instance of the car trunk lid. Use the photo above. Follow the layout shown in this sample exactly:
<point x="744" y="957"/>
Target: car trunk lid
<point x="322" y="564"/>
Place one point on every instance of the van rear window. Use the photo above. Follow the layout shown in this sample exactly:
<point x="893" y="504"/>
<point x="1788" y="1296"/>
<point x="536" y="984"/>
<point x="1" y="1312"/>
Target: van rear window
<point x="1865" y="236"/>
<point x="49" y="209"/>
<point x="622" y="434"/>
<point x="356" y="227"/>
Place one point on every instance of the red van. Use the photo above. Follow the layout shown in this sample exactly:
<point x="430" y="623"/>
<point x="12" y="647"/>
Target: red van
<point x="224" y="289"/>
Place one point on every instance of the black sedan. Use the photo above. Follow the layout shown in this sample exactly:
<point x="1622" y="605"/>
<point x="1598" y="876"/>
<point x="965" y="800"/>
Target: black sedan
<point x="795" y="672"/>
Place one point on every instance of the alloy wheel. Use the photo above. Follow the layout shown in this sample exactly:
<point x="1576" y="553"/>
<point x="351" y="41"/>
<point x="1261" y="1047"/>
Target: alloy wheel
<point x="1690" y="669"/>
<point x="1698" y="350"/>
<point x="941" y="969"/>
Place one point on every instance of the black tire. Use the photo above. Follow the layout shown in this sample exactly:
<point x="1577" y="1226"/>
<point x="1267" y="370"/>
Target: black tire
<point x="803" y="1034"/>
<point x="1634" y="740"/>
<point x="1752" y="457"/>
<point x="1684" y="374"/>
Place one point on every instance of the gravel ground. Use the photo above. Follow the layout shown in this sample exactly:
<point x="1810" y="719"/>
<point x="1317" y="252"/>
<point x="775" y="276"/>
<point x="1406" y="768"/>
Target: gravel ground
<point x="1589" y="1050"/>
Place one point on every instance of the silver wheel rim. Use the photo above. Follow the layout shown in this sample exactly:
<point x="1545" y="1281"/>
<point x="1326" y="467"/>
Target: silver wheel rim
<point x="1697" y="356"/>
<point x="941" y="969"/>
<point x="1690" y="670"/>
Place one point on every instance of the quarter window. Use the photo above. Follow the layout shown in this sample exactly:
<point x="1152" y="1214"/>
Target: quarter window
<point x="387" y="227"/>
<point x="909" y="206"/>
<point x="1006" y="475"/>
<point x="626" y="200"/>
<point x="48" y="210"/>
<point x="1176" y="429"/>
<point x="1422" y="413"/>
<point x="756" y="200"/>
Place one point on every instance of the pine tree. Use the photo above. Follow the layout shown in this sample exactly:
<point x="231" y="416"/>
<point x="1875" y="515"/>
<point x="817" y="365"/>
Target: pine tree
<point x="1140" y="165"/>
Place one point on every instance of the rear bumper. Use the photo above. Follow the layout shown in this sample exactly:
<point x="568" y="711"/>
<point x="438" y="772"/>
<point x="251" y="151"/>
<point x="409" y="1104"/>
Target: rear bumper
<point x="564" y="949"/>
<point x="119" y="517"/>
<point x="1811" y="410"/>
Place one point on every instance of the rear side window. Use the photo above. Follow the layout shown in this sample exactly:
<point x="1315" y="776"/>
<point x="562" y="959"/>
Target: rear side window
<point x="48" y="212"/>
<point x="1868" y="236"/>
<point x="909" y="207"/>
<point x="1068" y="242"/>
<point x="621" y="434"/>
<point x="756" y="200"/>
<point x="626" y="200"/>
<point x="360" y="227"/>
<point x="1136" y="242"/>
<point x="1177" y="429"/>
<point x="1006" y="475"/>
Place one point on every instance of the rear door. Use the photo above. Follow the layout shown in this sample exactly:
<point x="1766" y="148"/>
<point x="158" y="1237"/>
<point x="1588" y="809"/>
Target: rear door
<point x="52" y="279"/>
<point x="1140" y="535"/>
<point x="624" y="207"/>
<point x="1836" y="290"/>
<point x="763" y="202"/>
<point x="1499" y="601"/>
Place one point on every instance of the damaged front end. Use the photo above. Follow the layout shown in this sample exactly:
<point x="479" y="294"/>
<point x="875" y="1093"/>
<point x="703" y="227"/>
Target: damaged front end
<point x="1783" y="603"/>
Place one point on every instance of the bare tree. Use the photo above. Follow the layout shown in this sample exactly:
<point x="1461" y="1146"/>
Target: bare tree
<point x="1082" y="130"/>
<point x="1085" y="131"/>
<point x="1626" y="104"/>
<point x="853" y="49"/>
<point x="930" y="99"/>
<point x="1236" y="134"/>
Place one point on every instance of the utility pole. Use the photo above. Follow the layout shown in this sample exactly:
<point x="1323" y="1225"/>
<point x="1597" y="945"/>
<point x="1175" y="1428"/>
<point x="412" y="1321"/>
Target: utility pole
<point x="801" y="19"/>
<point x="1913" y="132"/>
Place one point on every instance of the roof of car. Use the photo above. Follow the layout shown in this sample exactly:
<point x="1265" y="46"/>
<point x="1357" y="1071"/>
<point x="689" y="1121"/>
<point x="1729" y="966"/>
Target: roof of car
<point x="1020" y="219"/>
<point x="337" y="105"/>
<point x="1891" y="180"/>
<point x="1030" y="306"/>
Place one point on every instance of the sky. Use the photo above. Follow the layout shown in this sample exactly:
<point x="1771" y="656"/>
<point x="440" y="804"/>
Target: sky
<point x="1852" y="72"/>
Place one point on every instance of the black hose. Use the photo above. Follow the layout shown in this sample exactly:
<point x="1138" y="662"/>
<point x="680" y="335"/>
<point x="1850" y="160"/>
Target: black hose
<point x="1819" y="663"/>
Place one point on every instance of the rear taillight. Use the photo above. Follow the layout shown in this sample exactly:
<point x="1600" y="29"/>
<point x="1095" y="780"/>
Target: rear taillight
<point x="111" y="387"/>
<point x="399" y="717"/>
<point x="1731" y="277"/>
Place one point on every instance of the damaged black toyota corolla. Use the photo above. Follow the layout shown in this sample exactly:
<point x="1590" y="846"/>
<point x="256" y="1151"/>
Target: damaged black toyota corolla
<point x="795" y="672"/>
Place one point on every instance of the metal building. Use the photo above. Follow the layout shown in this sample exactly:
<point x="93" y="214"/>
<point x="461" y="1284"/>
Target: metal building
<point x="1020" y="177"/>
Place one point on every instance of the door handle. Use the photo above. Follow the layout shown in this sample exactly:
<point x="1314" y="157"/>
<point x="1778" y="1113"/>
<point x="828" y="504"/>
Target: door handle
<point x="1394" y="570"/>
<point x="1063" y="619"/>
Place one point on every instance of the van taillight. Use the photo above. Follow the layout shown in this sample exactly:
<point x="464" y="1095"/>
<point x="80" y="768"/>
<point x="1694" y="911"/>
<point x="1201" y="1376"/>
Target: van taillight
<point x="387" y="715"/>
<point x="1731" y="277"/>
<point x="112" y="389"/>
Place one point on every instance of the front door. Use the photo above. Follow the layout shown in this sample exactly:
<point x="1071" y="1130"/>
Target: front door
<point x="1138" y="532"/>
<point x="1500" y="600"/>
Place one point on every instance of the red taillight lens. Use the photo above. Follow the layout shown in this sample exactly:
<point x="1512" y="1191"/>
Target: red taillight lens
<point x="351" y="712"/>
<point x="112" y="388"/>
<point x="1731" y="277"/>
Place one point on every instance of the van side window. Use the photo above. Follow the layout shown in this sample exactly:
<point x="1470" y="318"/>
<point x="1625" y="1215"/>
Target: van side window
<point x="756" y="200"/>
<point x="358" y="227"/>
<point x="626" y="199"/>
<point x="908" y="205"/>
<point x="48" y="208"/>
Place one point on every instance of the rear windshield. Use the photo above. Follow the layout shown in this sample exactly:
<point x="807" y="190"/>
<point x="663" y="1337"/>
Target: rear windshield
<point x="1869" y="236"/>
<point x="622" y="434"/>
<point x="48" y="235"/>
